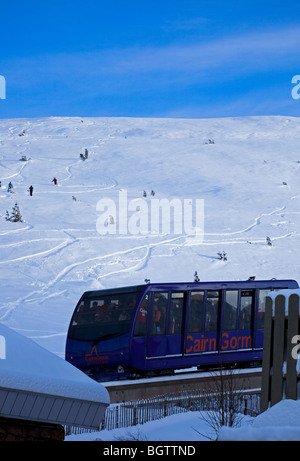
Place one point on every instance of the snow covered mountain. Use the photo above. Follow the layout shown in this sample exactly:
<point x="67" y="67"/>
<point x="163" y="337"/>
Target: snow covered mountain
<point x="246" y="170"/>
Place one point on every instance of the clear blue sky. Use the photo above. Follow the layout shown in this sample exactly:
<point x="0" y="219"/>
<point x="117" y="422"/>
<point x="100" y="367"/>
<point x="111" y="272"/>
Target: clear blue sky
<point x="150" y="58"/>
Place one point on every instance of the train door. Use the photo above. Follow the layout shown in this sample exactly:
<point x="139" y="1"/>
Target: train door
<point x="139" y="342"/>
<point x="157" y="339"/>
<point x="211" y="326"/>
<point x="165" y="335"/>
<point x="236" y="333"/>
<point x="175" y="325"/>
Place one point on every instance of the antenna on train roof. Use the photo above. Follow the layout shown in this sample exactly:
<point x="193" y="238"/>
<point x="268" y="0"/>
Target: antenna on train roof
<point x="147" y="280"/>
<point x="252" y="277"/>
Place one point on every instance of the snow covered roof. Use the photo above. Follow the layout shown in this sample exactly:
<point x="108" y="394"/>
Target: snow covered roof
<point x="38" y="385"/>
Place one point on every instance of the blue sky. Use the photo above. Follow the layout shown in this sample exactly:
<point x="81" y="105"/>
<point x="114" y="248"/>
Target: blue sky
<point x="156" y="58"/>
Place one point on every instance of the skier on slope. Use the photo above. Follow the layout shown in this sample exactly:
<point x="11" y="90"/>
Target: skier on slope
<point x="54" y="180"/>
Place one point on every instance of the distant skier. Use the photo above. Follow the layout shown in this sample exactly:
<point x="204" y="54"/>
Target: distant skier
<point x="10" y="187"/>
<point x="54" y="180"/>
<point x="30" y="191"/>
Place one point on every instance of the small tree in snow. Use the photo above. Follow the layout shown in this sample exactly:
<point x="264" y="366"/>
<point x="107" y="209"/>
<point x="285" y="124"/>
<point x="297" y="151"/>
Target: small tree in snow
<point x="221" y="398"/>
<point x="222" y="256"/>
<point x="268" y="241"/>
<point x="15" y="215"/>
<point x="85" y="155"/>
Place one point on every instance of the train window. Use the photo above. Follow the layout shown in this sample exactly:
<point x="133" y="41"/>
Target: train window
<point x="261" y="308"/>
<point x="262" y="305"/>
<point x="212" y="308"/>
<point x="159" y="313"/>
<point x="176" y="313"/>
<point x="231" y="309"/>
<point x="103" y="316"/>
<point x="140" y="328"/>
<point x="196" y="311"/>
<point x="108" y="309"/>
<point x="78" y="316"/>
<point x="246" y="309"/>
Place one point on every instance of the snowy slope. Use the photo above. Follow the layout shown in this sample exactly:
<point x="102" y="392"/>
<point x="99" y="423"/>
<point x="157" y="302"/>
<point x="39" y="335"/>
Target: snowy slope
<point x="56" y="253"/>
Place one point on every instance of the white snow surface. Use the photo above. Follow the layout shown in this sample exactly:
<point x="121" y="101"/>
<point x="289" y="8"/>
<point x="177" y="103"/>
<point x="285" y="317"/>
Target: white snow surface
<point x="248" y="179"/>
<point x="279" y="423"/>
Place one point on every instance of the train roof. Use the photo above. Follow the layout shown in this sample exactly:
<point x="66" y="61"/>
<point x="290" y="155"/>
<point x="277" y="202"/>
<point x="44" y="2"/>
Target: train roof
<point x="194" y="285"/>
<point x="120" y="290"/>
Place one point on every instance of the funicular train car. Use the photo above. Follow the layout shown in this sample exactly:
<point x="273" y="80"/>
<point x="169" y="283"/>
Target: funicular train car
<point x="149" y="329"/>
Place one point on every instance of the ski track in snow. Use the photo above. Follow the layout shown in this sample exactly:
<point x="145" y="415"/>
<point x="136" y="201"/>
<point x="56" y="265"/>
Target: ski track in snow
<point x="131" y="260"/>
<point x="45" y="292"/>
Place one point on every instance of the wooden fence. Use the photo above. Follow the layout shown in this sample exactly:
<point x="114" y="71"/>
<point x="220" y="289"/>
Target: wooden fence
<point x="280" y="379"/>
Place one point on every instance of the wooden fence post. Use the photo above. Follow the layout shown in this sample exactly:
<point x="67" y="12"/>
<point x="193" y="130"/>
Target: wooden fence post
<point x="279" y="367"/>
<point x="292" y="330"/>
<point x="267" y="355"/>
<point x="278" y="350"/>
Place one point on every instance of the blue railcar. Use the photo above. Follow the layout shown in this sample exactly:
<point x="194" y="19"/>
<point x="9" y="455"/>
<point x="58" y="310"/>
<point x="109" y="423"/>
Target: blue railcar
<point x="158" y="327"/>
